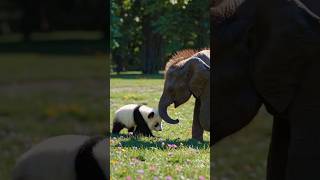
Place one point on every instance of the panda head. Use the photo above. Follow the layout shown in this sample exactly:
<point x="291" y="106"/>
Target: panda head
<point x="151" y="117"/>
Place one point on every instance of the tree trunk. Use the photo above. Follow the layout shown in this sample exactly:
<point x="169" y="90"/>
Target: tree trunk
<point x="151" y="49"/>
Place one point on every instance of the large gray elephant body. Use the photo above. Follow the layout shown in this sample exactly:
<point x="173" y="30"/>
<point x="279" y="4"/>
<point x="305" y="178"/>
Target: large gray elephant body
<point x="186" y="74"/>
<point x="236" y="101"/>
<point x="271" y="49"/>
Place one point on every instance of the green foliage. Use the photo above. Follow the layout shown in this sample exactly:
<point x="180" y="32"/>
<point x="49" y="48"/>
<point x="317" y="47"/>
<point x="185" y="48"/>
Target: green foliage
<point x="115" y="25"/>
<point x="183" y="25"/>
<point x="180" y="24"/>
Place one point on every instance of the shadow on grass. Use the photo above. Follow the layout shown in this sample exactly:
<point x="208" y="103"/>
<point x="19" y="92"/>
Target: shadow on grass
<point x="54" y="47"/>
<point x="156" y="142"/>
<point x="137" y="75"/>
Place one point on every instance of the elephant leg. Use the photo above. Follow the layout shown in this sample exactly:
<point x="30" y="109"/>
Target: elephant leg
<point x="197" y="130"/>
<point x="278" y="152"/>
<point x="304" y="149"/>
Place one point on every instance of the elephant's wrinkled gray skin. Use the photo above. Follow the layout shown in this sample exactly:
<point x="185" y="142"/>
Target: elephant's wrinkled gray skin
<point x="188" y="75"/>
<point x="277" y="43"/>
<point x="235" y="99"/>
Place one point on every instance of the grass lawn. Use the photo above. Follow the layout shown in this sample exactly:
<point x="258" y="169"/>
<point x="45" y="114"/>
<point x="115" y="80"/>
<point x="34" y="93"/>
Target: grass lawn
<point x="48" y="95"/>
<point x="147" y="158"/>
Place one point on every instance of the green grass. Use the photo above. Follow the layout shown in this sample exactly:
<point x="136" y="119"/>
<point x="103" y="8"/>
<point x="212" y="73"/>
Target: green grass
<point x="147" y="158"/>
<point x="48" y="95"/>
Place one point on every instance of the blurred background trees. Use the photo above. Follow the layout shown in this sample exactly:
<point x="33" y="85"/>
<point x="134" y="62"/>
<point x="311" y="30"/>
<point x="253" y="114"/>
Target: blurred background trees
<point x="53" y="73"/>
<point x="29" y="16"/>
<point x="23" y="23"/>
<point x="145" y="32"/>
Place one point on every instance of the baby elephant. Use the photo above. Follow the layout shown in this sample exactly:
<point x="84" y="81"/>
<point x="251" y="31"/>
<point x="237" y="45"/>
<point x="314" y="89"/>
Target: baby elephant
<point x="188" y="73"/>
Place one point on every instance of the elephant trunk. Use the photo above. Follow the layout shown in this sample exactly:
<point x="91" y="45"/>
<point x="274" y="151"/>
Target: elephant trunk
<point x="163" y="106"/>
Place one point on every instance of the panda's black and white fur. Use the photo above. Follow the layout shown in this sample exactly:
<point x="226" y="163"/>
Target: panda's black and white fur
<point x="139" y="119"/>
<point x="67" y="157"/>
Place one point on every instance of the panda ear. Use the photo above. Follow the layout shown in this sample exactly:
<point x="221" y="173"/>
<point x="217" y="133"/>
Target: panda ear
<point x="151" y="115"/>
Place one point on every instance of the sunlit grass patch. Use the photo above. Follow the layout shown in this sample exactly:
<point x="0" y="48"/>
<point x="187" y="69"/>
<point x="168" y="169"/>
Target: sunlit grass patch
<point x="151" y="158"/>
<point x="172" y="154"/>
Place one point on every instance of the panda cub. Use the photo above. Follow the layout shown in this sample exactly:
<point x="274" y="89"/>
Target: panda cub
<point x="66" y="157"/>
<point x="139" y="119"/>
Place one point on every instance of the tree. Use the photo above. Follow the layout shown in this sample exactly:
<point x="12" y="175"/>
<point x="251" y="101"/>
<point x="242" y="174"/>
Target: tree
<point x="148" y="31"/>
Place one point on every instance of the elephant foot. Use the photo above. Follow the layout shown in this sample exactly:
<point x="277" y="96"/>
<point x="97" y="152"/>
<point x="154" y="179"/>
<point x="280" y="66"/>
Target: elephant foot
<point x="197" y="131"/>
<point x="198" y="138"/>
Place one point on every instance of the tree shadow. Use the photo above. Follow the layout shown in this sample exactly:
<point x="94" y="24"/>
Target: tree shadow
<point x="57" y="47"/>
<point x="128" y="75"/>
<point x="156" y="142"/>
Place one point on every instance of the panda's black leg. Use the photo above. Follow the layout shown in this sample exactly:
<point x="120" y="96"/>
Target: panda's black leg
<point x="138" y="131"/>
<point x="148" y="134"/>
<point x="117" y="127"/>
<point x="144" y="131"/>
<point x="130" y="130"/>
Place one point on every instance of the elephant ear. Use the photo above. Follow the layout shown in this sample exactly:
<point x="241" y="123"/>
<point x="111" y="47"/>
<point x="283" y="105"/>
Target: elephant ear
<point x="199" y="76"/>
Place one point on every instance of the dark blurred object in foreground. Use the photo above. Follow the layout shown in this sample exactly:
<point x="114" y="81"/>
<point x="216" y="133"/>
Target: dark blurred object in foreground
<point x="53" y="73"/>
